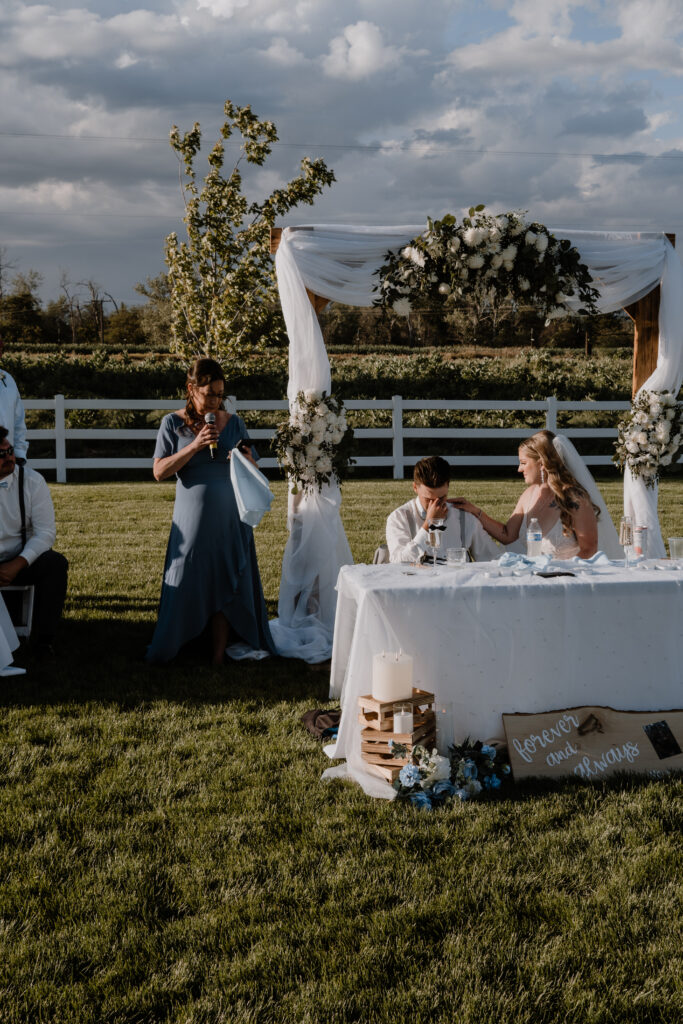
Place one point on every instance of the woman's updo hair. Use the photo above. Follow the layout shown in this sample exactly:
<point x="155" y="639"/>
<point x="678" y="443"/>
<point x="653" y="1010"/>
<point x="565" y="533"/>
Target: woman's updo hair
<point x="202" y="372"/>
<point x="562" y="483"/>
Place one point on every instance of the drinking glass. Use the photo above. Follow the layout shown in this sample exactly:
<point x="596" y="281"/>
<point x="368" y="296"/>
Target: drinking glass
<point x="456" y="557"/>
<point x="435" y="537"/>
<point x="626" y="538"/>
<point x="676" y="548"/>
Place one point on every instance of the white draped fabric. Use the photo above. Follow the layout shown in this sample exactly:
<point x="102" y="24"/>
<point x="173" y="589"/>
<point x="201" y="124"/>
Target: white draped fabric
<point x="340" y="262"/>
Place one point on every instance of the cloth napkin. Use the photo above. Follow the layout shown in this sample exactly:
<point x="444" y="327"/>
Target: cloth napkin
<point x="599" y="558"/>
<point x="252" y="491"/>
<point x="512" y="560"/>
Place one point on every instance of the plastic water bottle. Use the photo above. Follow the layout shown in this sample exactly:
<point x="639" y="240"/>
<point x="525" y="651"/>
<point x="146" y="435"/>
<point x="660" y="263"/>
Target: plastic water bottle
<point x="534" y="536"/>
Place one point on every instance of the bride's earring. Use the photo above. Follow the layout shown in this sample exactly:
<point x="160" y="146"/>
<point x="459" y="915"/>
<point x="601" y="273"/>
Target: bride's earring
<point x="542" y="475"/>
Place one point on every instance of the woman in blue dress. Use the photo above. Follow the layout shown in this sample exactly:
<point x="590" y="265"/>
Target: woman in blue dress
<point x="211" y="575"/>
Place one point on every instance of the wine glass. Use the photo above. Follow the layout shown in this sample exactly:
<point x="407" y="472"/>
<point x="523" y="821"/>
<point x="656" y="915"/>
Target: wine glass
<point x="435" y="528"/>
<point x="626" y="538"/>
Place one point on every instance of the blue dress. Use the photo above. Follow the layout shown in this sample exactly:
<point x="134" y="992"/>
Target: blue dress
<point x="211" y="559"/>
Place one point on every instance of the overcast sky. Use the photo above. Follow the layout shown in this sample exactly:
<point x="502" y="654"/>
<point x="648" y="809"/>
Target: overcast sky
<point x="572" y="110"/>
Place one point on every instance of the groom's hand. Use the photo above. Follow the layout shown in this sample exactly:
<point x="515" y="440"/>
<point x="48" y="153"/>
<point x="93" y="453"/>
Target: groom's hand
<point x="437" y="509"/>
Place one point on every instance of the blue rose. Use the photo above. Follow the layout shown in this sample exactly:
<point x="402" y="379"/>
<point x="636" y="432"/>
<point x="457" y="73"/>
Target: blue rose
<point x="469" y="769"/>
<point x="441" y="789"/>
<point x="489" y="752"/>
<point x="462" y="794"/>
<point x="492" y="782"/>
<point x="409" y="775"/>
<point x="421" y="800"/>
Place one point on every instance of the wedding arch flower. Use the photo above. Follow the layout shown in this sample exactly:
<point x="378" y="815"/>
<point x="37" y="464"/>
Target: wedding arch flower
<point x="492" y="258"/>
<point x="314" y="445"/>
<point x="650" y="435"/>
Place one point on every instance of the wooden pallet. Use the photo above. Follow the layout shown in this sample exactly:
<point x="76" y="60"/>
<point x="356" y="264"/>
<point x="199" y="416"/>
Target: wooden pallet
<point x="375" y="714"/>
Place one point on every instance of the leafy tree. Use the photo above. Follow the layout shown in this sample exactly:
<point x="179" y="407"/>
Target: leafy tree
<point x="156" y="316"/>
<point x="224" y="301"/>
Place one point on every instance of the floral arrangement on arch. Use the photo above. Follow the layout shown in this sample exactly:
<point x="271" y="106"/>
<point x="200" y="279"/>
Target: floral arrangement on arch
<point x="314" y="445"/>
<point x="491" y="259"/>
<point x="649" y="435"/>
<point x="431" y="780"/>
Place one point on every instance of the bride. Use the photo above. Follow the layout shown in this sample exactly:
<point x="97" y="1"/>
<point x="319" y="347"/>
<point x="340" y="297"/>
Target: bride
<point x="562" y="495"/>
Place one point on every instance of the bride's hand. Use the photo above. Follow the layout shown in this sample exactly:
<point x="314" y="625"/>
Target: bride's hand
<point x="464" y="504"/>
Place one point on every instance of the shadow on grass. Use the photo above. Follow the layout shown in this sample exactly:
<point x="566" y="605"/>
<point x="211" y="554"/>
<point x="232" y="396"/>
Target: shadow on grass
<point x="101" y="660"/>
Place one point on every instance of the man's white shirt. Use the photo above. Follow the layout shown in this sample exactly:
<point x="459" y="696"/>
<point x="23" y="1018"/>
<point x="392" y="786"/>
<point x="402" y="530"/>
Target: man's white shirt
<point x="12" y="414"/>
<point x="408" y="542"/>
<point x="41" y="529"/>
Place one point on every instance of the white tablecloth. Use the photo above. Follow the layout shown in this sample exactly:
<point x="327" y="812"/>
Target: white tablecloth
<point x="493" y="643"/>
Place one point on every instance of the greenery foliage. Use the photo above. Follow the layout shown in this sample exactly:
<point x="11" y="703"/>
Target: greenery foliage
<point x="221" y="279"/>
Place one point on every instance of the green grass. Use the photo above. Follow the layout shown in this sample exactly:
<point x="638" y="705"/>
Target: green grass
<point x="168" y="853"/>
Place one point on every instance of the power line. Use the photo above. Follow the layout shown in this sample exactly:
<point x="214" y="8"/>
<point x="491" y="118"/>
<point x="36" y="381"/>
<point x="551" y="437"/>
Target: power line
<point x="368" y="147"/>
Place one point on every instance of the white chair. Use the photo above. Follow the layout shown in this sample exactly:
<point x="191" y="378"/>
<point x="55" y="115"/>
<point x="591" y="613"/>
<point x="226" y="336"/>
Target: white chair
<point x="23" y="627"/>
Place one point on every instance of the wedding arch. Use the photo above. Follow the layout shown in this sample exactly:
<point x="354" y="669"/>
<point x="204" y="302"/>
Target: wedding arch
<point x="315" y="264"/>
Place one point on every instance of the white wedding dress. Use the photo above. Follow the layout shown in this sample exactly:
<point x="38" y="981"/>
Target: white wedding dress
<point x="554" y="542"/>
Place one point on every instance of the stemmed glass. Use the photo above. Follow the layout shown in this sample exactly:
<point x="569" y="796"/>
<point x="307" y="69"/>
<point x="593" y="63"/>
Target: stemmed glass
<point x="626" y="538"/>
<point x="435" y="528"/>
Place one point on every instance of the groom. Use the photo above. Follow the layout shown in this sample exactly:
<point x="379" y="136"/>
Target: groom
<point x="408" y="526"/>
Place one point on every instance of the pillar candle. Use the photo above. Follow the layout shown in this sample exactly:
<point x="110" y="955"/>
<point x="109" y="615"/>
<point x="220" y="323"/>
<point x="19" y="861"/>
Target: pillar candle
<point x="392" y="676"/>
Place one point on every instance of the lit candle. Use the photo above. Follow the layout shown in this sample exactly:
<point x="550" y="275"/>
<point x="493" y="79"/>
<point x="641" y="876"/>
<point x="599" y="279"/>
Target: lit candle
<point x="403" y="718"/>
<point x="392" y="676"/>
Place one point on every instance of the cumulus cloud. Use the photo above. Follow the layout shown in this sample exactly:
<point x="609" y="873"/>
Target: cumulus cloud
<point x="359" y="52"/>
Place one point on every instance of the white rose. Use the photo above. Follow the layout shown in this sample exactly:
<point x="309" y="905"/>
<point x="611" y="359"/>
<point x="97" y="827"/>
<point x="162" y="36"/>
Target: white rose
<point x="509" y="253"/>
<point x="496" y="261"/>
<point x="502" y="223"/>
<point x="507" y="265"/>
<point x="641" y="417"/>
<point x="631" y="447"/>
<point x="323" y="464"/>
<point x="455" y="244"/>
<point x="677" y="439"/>
<point x="311" y="395"/>
<point x="442" y="770"/>
<point x="542" y="242"/>
<point x="668" y="398"/>
<point x="516" y="227"/>
<point x="444" y="289"/>
<point x="670" y="414"/>
<point x="641" y="438"/>
<point x="417" y="258"/>
<point x="530" y="238"/>
<point x="475" y="262"/>
<point x="662" y="430"/>
<point x="402" y="307"/>
<point x="523" y="284"/>
<point x="463" y="274"/>
<point x="666" y="460"/>
<point x="312" y="451"/>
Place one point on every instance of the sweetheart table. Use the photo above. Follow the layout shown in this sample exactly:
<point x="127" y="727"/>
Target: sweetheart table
<point x="486" y="642"/>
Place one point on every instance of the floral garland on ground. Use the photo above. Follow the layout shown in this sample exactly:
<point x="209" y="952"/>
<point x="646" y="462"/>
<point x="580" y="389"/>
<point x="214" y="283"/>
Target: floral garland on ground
<point x="314" y="445"/>
<point x="431" y="780"/>
<point x="490" y="258"/>
<point x="650" y="435"/>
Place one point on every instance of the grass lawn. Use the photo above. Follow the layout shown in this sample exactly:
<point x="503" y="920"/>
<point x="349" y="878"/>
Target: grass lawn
<point x="168" y="853"/>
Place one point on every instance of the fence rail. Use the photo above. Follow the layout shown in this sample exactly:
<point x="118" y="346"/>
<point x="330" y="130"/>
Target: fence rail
<point x="547" y="410"/>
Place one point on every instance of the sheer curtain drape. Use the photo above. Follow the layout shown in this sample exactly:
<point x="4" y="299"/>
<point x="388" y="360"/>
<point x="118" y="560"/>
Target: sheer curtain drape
<point x="340" y="263"/>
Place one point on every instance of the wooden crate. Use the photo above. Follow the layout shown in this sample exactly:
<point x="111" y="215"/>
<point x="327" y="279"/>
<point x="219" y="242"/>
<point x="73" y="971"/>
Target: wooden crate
<point x="377" y="720"/>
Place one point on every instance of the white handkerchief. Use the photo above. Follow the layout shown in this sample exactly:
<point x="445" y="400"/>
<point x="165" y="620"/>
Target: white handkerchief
<point x="252" y="491"/>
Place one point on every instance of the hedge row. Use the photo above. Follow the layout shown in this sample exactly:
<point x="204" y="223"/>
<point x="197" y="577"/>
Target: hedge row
<point x="532" y="375"/>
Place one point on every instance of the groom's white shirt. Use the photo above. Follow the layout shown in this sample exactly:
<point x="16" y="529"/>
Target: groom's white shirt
<point x="407" y="541"/>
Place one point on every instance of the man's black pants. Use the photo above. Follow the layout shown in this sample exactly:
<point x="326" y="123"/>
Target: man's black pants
<point x="48" y="574"/>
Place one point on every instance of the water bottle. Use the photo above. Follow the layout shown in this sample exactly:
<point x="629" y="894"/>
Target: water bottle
<point x="534" y="538"/>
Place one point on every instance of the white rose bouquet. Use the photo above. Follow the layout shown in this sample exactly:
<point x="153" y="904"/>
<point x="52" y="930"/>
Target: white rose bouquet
<point x="503" y="256"/>
<point x="314" y="445"/>
<point x="650" y="435"/>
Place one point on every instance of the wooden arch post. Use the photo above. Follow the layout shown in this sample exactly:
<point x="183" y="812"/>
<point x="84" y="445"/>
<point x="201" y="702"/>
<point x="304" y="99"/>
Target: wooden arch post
<point x="645" y="316"/>
<point x="644" y="313"/>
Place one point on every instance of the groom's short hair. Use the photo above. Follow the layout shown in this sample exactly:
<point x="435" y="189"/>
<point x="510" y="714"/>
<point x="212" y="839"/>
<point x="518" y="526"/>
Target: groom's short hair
<point x="432" y="471"/>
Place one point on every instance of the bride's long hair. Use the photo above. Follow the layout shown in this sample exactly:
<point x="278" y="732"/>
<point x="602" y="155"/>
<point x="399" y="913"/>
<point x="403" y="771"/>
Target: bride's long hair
<point x="561" y="482"/>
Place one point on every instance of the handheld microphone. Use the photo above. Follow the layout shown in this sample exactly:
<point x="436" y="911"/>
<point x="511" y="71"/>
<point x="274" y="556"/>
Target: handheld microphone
<point x="210" y="417"/>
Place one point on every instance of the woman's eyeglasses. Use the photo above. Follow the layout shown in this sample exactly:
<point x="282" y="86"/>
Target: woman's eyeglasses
<point x="218" y="395"/>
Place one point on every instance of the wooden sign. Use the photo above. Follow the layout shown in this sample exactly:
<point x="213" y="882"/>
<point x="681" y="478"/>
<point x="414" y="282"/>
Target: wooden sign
<point x="592" y="742"/>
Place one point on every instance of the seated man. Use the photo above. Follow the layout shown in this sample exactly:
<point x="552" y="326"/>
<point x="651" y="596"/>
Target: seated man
<point x="408" y="526"/>
<point x="27" y="533"/>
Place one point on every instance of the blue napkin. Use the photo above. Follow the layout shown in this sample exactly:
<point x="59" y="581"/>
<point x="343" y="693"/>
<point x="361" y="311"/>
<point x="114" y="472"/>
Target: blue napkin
<point x="512" y="560"/>
<point x="252" y="491"/>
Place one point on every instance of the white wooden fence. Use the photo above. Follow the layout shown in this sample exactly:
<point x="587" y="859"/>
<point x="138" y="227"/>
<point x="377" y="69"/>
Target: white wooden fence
<point x="546" y="411"/>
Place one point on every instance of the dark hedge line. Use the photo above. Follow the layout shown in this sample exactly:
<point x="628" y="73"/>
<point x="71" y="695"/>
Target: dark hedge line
<point x="533" y="375"/>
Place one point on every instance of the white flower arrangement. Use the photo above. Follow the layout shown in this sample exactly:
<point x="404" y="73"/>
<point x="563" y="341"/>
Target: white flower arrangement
<point x="650" y="435"/>
<point x="314" y="445"/>
<point x="501" y="257"/>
